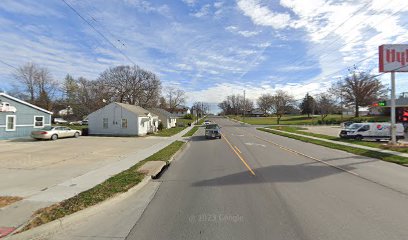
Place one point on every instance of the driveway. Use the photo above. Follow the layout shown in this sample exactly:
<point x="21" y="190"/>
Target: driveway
<point x="28" y="166"/>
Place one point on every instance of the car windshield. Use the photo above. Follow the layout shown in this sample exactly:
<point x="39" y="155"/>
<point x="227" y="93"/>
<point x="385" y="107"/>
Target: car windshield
<point x="211" y="126"/>
<point x="355" y="126"/>
<point x="48" y="128"/>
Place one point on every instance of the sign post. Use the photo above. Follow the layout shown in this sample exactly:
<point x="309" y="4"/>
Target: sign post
<point x="393" y="127"/>
<point x="393" y="58"/>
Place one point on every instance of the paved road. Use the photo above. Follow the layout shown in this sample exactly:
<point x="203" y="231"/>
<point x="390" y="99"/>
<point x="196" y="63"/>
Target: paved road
<point x="263" y="191"/>
<point x="260" y="190"/>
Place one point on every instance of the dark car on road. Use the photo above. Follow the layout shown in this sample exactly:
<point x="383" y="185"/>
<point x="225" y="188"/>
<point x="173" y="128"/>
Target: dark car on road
<point x="212" y="131"/>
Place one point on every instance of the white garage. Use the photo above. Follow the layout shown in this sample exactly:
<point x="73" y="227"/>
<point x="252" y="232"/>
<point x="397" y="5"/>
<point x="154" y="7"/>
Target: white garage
<point x="120" y="119"/>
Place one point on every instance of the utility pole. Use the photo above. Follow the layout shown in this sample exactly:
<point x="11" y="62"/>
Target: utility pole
<point x="243" y="119"/>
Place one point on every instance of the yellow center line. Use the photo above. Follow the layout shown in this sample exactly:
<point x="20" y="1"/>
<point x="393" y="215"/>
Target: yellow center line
<point x="237" y="149"/>
<point x="304" y="155"/>
<point x="239" y="156"/>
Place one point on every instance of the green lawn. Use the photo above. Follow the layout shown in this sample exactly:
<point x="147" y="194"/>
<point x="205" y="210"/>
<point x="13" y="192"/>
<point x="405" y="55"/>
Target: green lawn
<point x="169" y="131"/>
<point x="358" y="151"/>
<point x="116" y="184"/>
<point x="304" y="120"/>
<point x="379" y="145"/>
<point x="183" y="121"/>
<point x="191" y="132"/>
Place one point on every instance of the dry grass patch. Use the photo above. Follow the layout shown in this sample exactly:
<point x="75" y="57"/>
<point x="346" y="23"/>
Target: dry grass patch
<point x="7" y="200"/>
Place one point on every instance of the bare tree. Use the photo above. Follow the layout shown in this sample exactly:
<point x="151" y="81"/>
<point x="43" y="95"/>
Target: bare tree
<point x="150" y="94"/>
<point x="132" y="85"/>
<point x="36" y="84"/>
<point x="46" y="88"/>
<point x="162" y="103"/>
<point x="264" y="102"/>
<point x="359" y="89"/>
<point x="281" y="101"/>
<point x="325" y="104"/>
<point x="26" y="76"/>
<point x="175" y="98"/>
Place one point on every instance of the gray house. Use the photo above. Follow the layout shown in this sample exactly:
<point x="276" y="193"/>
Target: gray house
<point x="18" y="118"/>
<point x="168" y="119"/>
<point x="120" y="119"/>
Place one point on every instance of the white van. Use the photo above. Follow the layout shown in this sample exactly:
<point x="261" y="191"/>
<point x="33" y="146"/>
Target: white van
<point x="375" y="131"/>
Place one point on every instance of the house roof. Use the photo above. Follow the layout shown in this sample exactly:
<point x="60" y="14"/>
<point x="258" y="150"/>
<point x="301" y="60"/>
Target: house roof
<point x="161" y="111"/>
<point x="180" y="110"/>
<point x="135" y="109"/>
<point x="25" y="103"/>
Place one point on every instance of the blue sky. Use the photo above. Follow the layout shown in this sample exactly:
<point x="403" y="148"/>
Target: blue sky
<point x="208" y="48"/>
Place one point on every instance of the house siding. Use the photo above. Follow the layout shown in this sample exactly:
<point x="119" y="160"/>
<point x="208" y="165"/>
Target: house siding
<point x="24" y="119"/>
<point x="114" y="113"/>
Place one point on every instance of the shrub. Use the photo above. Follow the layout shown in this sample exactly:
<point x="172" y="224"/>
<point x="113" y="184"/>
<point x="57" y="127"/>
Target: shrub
<point x="85" y="131"/>
<point x="160" y="127"/>
<point x="188" y="116"/>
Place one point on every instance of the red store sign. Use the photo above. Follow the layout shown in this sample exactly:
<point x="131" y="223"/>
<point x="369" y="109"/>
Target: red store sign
<point x="393" y="58"/>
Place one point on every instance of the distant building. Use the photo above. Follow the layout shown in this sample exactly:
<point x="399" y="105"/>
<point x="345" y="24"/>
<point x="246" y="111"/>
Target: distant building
<point x="179" y="112"/>
<point x="19" y="118"/>
<point x="256" y="112"/>
<point x="120" y="119"/>
<point x="168" y="119"/>
<point x="351" y="110"/>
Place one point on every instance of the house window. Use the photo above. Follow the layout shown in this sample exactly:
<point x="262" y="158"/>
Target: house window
<point x="124" y="123"/>
<point x="38" y="121"/>
<point x="10" y="123"/>
<point x="105" y="123"/>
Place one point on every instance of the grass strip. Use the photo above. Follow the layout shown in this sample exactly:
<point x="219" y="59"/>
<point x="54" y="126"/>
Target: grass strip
<point x="169" y="131"/>
<point x="116" y="184"/>
<point x="378" y="145"/>
<point x="358" y="151"/>
<point x="191" y="132"/>
<point x="305" y="120"/>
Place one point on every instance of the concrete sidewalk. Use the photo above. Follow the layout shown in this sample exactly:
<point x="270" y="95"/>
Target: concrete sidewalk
<point x="345" y="144"/>
<point x="17" y="214"/>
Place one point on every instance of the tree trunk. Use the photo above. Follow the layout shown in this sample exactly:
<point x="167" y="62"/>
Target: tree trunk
<point x="357" y="114"/>
<point x="278" y="117"/>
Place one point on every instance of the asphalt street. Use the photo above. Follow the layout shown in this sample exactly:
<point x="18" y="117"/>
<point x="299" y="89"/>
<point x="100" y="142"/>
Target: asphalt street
<point x="255" y="185"/>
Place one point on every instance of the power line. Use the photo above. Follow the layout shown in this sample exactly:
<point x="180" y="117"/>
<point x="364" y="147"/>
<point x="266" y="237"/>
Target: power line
<point x="99" y="32"/>
<point x="298" y="58"/>
<point x="345" y="44"/>
<point x="326" y="47"/>
<point x="7" y="64"/>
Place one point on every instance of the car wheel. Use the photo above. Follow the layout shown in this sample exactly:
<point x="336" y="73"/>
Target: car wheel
<point x="76" y="134"/>
<point x="54" y="137"/>
<point x="359" y="137"/>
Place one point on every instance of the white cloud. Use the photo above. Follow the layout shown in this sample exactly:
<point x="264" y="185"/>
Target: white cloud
<point x="204" y="11"/>
<point x="245" y="33"/>
<point x="190" y="2"/>
<point x="262" y="15"/>
<point x="218" y="92"/>
<point x="28" y="8"/>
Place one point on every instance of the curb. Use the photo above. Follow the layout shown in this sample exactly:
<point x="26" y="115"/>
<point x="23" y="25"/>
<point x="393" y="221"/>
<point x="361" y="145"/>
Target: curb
<point x="38" y="233"/>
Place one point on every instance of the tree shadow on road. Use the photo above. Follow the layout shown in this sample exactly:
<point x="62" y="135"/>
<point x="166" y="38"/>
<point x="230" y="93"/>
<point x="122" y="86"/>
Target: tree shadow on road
<point x="274" y="174"/>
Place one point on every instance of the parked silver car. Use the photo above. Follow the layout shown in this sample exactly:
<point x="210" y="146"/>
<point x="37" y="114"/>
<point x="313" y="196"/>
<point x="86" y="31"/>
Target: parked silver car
<point x="54" y="133"/>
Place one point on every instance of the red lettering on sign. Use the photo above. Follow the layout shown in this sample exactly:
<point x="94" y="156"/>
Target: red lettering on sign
<point x="394" y="56"/>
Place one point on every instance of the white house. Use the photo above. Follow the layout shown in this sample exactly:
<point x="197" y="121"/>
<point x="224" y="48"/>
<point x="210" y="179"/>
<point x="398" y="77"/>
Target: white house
<point x="168" y="119"/>
<point x="180" y="112"/>
<point x="120" y="119"/>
